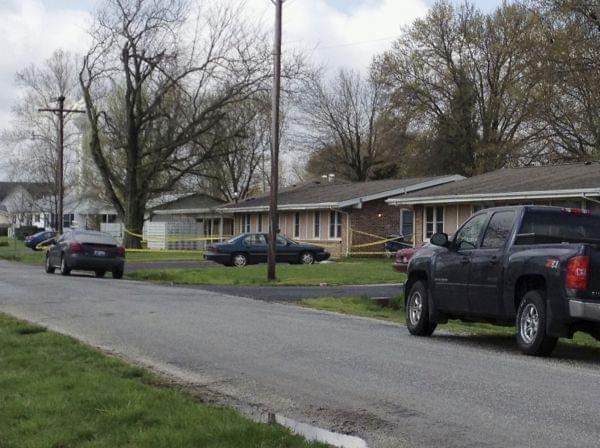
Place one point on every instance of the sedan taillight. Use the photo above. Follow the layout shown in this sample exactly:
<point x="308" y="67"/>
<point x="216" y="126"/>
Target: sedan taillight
<point x="578" y="272"/>
<point x="75" y="248"/>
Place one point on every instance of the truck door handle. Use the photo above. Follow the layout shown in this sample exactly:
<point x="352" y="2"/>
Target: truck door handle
<point x="464" y="260"/>
<point x="494" y="260"/>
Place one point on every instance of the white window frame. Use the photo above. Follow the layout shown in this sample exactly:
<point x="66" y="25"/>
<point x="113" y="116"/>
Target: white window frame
<point x="317" y="225"/>
<point x="435" y="221"/>
<point x="245" y="223"/>
<point x="402" y="210"/>
<point x="337" y="225"/>
<point x="297" y="225"/>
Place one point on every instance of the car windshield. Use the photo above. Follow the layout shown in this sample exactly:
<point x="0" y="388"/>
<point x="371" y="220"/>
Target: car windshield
<point x="552" y="226"/>
<point x="94" y="238"/>
<point x="234" y="239"/>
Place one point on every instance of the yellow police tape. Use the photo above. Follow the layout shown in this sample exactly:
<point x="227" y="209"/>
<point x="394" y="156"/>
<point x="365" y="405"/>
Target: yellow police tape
<point x="381" y="240"/>
<point x="177" y="238"/>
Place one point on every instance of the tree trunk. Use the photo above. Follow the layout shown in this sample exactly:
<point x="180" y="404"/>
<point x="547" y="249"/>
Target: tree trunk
<point x="134" y="224"/>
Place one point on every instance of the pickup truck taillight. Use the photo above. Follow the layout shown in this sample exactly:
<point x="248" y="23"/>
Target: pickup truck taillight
<point x="121" y="251"/>
<point x="578" y="272"/>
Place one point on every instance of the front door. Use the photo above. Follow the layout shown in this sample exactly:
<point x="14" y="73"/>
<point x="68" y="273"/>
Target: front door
<point x="485" y="282"/>
<point x="452" y="267"/>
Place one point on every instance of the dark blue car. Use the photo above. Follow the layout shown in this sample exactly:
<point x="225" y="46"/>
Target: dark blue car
<point x="33" y="240"/>
<point x="251" y="248"/>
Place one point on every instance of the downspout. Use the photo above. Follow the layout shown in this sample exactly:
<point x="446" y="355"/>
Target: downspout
<point x="347" y="228"/>
<point x="587" y="198"/>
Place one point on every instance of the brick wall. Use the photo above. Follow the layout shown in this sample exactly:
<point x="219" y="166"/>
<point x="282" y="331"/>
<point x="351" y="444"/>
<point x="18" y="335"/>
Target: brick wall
<point x="375" y="217"/>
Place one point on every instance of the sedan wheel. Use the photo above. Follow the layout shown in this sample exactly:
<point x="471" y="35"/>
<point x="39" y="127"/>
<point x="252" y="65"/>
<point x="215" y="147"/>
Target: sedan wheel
<point x="49" y="267"/>
<point x="64" y="267"/>
<point x="307" y="258"/>
<point x="240" y="260"/>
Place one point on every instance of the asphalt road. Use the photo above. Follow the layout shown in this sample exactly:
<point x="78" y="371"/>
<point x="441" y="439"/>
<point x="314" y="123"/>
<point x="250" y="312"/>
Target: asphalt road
<point x="353" y="375"/>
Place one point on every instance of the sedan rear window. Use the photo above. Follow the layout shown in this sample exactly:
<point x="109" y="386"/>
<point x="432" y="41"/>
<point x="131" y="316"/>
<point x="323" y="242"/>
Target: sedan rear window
<point x="95" y="238"/>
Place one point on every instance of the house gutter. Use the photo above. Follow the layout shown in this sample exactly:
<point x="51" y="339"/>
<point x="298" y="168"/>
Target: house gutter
<point x="551" y="194"/>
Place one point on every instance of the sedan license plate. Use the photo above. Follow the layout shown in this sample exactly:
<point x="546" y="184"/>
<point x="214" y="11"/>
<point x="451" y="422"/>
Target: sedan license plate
<point x="100" y="253"/>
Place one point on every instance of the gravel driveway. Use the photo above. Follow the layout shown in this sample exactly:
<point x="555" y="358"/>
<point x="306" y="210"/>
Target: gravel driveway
<point x="354" y="375"/>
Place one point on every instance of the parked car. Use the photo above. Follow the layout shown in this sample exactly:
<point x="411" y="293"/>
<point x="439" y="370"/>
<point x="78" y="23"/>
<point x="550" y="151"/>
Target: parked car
<point x="251" y="248"/>
<point x="403" y="257"/>
<point x="86" y="250"/>
<point x="392" y="246"/>
<point x="32" y="241"/>
<point x="535" y="267"/>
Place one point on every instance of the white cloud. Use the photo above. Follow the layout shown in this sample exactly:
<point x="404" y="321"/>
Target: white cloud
<point x="29" y="33"/>
<point x="347" y="38"/>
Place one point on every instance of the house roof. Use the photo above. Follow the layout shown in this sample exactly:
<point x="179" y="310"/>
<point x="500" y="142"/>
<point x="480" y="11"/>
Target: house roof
<point x="35" y="189"/>
<point x="322" y="194"/>
<point x="195" y="203"/>
<point x="534" y="182"/>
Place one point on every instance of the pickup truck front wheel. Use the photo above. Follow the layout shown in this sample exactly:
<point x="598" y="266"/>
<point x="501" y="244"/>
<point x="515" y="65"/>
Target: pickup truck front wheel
<point x="531" y="326"/>
<point x="417" y="311"/>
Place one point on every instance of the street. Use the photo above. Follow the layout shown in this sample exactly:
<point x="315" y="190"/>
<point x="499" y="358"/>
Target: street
<point x="351" y="375"/>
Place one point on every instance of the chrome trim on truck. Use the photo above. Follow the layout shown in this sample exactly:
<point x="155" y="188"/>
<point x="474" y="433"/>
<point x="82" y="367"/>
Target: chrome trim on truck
<point x="584" y="310"/>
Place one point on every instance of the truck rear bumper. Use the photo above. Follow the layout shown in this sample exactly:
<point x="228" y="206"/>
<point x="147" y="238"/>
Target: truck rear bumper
<point x="584" y="310"/>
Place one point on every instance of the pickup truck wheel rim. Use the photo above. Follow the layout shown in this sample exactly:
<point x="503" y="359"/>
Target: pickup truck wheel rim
<point x="415" y="308"/>
<point x="239" y="260"/>
<point x="530" y="323"/>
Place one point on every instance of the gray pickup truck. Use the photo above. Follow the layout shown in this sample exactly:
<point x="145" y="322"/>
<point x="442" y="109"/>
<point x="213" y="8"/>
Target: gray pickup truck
<point x="534" y="267"/>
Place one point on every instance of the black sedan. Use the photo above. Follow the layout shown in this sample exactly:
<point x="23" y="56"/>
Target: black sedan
<point x="86" y="250"/>
<point x="251" y="248"/>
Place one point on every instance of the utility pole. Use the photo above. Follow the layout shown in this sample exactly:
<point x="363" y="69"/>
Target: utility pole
<point x="273" y="228"/>
<point x="61" y="112"/>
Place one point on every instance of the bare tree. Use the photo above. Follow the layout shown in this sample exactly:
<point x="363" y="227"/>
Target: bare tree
<point x="237" y="171"/>
<point x="30" y="145"/>
<point x="489" y="58"/>
<point x="156" y="85"/>
<point x="341" y="121"/>
<point x="571" y="112"/>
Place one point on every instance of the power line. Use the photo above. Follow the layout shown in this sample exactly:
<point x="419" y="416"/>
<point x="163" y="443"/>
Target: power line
<point x="349" y="44"/>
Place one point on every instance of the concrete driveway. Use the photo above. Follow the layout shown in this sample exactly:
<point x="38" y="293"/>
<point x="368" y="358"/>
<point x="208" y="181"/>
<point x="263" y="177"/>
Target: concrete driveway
<point x="354" y="375"/>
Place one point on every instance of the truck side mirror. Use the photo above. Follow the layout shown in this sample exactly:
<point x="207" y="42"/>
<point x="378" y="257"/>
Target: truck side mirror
<point x="439" y="239"/>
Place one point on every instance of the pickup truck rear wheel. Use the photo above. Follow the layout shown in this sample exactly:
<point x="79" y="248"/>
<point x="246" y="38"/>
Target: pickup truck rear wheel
<point x="417" y="311"/>
<point x="531" y="325"/>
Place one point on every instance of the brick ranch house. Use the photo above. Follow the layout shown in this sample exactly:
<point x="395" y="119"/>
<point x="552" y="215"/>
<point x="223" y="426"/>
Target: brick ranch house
<point x="324" y="213"/>
<point x="444" y="208"/>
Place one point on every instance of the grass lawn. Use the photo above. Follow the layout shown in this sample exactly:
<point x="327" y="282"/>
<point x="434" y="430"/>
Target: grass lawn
<point x="356" y="272"/>
<point x="363" y="306"/>
<point x="57" y="392"/>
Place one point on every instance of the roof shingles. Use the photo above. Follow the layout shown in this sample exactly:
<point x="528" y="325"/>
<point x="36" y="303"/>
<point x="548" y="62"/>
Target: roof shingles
<point x="575" y="176"/>
<point x="316" y="192"/>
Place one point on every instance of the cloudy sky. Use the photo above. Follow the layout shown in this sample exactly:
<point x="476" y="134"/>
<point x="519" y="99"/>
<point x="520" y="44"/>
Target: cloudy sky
<point x="335" y="32"/>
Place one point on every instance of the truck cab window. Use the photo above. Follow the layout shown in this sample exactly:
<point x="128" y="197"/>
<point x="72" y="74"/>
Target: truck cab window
<point x="468" y="236"/>
<point x="498" y="230"/>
